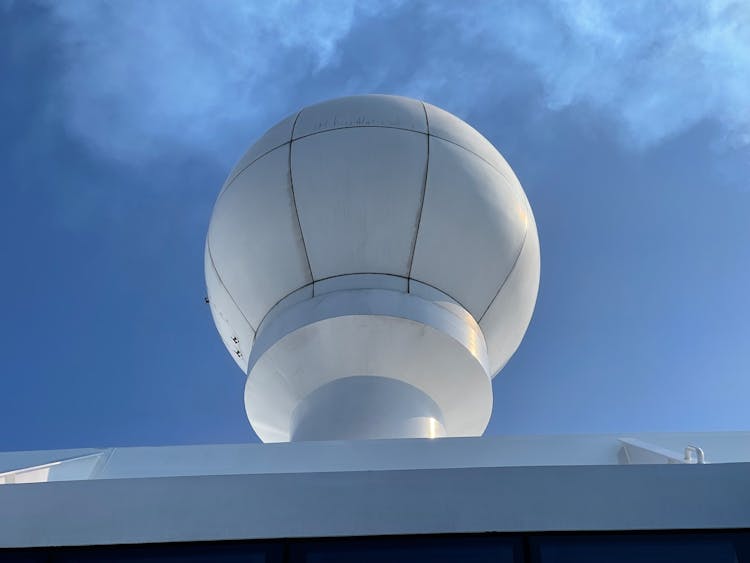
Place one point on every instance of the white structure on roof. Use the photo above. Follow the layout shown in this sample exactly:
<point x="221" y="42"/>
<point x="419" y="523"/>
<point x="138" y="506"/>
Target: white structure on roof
<point x="371" y="263"/>
<point x="504" y="484"/>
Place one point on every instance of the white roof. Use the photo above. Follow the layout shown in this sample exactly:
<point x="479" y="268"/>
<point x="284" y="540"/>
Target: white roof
<point x="372" y="455"/>
<point x="317" y="489"/>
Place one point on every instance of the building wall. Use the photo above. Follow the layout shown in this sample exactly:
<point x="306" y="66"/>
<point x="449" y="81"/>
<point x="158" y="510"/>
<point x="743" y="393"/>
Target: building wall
<point x="376" y="503"/>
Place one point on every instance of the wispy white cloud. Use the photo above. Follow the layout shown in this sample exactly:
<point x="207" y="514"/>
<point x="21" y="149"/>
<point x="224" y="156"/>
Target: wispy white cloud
<point x="140" y="76"/>
<point x="656" y="68"/>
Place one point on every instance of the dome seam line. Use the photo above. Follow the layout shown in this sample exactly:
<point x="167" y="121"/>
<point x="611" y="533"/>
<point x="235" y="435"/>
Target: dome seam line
<point x="428" y="134"/>
<point x="421" y="202"/>
<point x="326" y="278"/>
<point x="231" y="179"/>
<point x="256" y="159"/>
<point x="507" y="276"/>
<point x="294" y="202"/>
<point x="479" y="156"/>
<point x="221" y="281"/>
<point x="344" y="127"/>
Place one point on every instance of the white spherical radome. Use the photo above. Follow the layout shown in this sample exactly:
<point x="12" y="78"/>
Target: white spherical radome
<point x="371" y="263"/>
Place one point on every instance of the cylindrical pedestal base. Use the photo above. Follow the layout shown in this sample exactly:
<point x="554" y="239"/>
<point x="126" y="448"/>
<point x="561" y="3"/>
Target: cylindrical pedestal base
<point x="368" y="363"/>
<point x="366" y="407"/>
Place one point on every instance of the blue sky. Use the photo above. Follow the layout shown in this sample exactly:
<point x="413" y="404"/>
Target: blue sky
<point x="628" y="124"/>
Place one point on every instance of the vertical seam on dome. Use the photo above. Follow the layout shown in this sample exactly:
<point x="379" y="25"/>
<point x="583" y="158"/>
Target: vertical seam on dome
<point x="507" y="276"/>
<point x="221" y="281"/>
<point x="294" y="203"/>
<point x="421" y="201"/>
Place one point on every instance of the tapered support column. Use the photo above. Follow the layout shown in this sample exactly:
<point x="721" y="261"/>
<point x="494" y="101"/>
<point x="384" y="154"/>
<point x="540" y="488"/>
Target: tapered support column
<point x="368" y="363"/>
<point x="366" y="407"/>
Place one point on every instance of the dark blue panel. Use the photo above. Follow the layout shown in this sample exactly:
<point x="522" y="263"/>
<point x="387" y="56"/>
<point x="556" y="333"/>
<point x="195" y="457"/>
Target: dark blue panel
<point x="685" y="547"/>
<point x="410" y="550"/>
<point x="39" y="555"/>
<point x="226" y="552"/>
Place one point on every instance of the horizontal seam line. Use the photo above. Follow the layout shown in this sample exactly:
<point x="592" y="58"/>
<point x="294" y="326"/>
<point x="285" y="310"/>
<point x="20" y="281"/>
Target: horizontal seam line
<point x="239" y="172"/>
<point x="358" y="127"/>
<point x="319" y="132"/>
<point x="362" y="274"/>
<point x="233" y="178"/>
<point x="479" y="156"/>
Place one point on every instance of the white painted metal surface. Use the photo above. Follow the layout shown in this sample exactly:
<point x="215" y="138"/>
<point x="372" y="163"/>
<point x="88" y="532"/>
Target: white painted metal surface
<point x="375" y="110"/>
<point x="315" y="489"/>
<point x="383" y="455"/>
<point x="257" y="249"/>
<point x="358" y="211"/>
<point x="362" y="503"/>
<point x="371" y="193"/>
<point x="509" y="314"/>
<point x="366" y="407"/>
<point x="234" y="329"/>
<point x="66" y="469"/>
<point x="472" y="228"/>
<point x="275" y="137"/>
<point x="364" y="332"/>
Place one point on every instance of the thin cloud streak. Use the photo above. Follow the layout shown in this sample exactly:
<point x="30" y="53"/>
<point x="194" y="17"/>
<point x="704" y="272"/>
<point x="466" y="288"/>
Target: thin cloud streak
<point x="142" y="76"/>
<point x="656" y="68"/>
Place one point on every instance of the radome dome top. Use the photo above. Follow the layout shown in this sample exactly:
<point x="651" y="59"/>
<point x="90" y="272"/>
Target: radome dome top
<point x="372" y="193"/>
